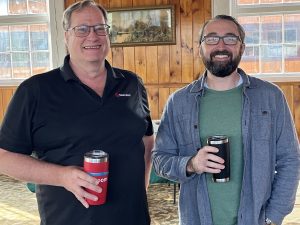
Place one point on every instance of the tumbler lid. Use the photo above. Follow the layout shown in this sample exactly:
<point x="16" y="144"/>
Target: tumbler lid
<point x="96" y="156"/>
<point x="217" y="139"/>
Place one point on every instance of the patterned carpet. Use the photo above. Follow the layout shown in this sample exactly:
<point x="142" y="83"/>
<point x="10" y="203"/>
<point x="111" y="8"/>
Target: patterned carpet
<point x="18" y="205"/>
<point x="162" y="209"/>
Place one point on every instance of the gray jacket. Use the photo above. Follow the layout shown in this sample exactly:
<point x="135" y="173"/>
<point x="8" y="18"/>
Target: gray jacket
<point x="270" y="144"/>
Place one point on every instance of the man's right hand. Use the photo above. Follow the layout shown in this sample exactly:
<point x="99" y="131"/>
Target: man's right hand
<point x="29" y="169"/>
<point x="75" y="180"/>
<point x="205" y="161"/>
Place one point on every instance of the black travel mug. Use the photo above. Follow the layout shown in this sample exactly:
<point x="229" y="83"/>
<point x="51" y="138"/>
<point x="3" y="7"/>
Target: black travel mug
<point x="222" y="143"/>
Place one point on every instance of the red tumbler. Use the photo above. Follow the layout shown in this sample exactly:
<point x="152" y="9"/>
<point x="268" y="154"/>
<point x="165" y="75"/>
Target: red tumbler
<point x="96" y="165"/>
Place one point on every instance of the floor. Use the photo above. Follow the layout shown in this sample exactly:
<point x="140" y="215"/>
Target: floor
<point x="18" y="205"/>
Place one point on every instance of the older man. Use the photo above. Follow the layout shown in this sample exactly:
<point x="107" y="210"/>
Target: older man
<point x="62" y="114"/>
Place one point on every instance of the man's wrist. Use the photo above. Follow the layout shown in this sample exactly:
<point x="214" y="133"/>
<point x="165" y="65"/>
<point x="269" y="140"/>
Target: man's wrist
<point x="189" y="168"/>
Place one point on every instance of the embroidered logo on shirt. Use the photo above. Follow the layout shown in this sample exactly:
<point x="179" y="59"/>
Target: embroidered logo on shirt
<point x="117" y="94"/>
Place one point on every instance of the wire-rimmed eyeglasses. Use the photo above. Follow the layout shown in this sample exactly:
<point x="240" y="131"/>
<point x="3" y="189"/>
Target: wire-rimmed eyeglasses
<point x="214" y="40"/>
<point x="84" y="30"/>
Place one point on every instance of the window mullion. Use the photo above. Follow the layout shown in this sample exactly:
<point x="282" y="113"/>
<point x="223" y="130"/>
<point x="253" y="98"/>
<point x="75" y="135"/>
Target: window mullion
<point x="23" y="19"/>
<point x="30" y="49"/>
<point x="260" y="58"/>
<point x="10" y="51"/>
<point x="27" y="6"/>
<point x="282" y="45"/>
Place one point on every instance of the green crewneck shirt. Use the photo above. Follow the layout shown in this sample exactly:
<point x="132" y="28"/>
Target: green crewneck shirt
<point x="221" y="113"/>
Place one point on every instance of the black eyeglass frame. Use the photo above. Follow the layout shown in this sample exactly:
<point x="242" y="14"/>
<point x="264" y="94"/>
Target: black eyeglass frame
<point x="105" y="27"/>
<point x="219" y="38"/>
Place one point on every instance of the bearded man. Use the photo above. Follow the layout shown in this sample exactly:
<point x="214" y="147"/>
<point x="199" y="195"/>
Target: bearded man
<point x="253" y="115"/>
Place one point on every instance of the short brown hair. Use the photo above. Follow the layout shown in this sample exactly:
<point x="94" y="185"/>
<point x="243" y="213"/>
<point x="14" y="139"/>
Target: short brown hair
<point x="225" y="17"/>
<point x="79" y="6"/>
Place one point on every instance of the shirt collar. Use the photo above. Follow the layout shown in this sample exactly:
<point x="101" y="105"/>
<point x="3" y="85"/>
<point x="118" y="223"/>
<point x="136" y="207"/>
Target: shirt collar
<point x="68" y="74"/>
<point x="199" y="84"/>
<point x="238" y="84"/>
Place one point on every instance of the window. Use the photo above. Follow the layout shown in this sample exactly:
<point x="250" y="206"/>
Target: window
<point x="28" y="42"/>
<point x="272" y="36"/>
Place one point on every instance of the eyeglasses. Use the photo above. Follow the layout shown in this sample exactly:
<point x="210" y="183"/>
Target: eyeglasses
<point x="84" y="30"/>
<point x="214" y="40"/>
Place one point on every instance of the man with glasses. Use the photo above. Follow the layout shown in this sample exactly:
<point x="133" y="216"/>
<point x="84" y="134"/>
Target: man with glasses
<point x="253" y="114"/>
<point x="84" y="105"/>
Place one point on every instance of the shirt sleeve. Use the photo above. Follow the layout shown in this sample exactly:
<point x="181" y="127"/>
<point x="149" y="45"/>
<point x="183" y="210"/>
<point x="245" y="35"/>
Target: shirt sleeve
<point x="149" y="131"/>
<point x="145" y="108"/>
<point x="15" y="132"/>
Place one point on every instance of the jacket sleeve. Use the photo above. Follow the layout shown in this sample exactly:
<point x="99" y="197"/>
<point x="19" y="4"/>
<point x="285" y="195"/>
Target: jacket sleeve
<point x="287" y="173"/>
<point x="167" y="160"/>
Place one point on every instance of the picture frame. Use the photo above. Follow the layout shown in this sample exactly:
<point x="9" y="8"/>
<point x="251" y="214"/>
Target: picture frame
<point x="138" y="26"/>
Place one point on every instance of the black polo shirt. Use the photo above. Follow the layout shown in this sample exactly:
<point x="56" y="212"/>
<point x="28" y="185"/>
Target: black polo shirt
<point x="60" y="118"/>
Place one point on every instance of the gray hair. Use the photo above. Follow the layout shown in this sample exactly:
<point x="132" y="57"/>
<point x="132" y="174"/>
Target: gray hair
<point x="77" y="6"/>
<point x="225" y="17"/>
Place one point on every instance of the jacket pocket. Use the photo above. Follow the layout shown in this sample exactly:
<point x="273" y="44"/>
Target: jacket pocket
<point x="261" y="124"/>
<point x="183" y="131"/>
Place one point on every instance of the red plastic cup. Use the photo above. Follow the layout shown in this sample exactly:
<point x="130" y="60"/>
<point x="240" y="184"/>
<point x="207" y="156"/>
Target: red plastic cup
<point x="96" y="165"/>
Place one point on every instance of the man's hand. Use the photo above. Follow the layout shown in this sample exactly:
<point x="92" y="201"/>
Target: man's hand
<point x="29" y="169"/>
<point x="205" y="161"/>
<point x="75" y="180"/>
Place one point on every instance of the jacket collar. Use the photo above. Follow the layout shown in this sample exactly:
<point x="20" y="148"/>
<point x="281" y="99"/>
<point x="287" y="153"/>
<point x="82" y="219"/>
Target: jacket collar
<point x="198" y="85"/>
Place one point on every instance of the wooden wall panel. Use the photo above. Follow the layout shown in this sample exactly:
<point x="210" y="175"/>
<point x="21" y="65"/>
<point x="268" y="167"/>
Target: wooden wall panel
<point x="175" y="50"/>
<point x="117" y="53"/>
<point x="123" y="62"/>
<point x="152" y="65"/>
<point x="140" y="63"/>
<point x="153" y="98"/>
<point x="163" y="97"/>
<point x="151" y="76"/>
<point x="2" y="108"/>
<point x="289" y="95"/>
<point x="117" y="57"/>
<point x="6" y="94"/>
<point x="198" y="18"/>
<point x="128" y="56"/>
<point x="158" y="96"/>
<point x="186" y="26"/>
<point x="163" y="56"/>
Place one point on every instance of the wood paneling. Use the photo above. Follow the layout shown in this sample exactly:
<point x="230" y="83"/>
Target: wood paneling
<point x="291" y="91"/>
<point x="158" y="95"/>
<point x="6" y="94"/>
<point x="186" y="27"/>
<point x="152" y="64"/>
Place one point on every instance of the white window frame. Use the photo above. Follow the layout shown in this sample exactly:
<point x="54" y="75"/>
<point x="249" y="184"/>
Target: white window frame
<point x="56" y="9"/>
<point x="56" y="35"/>
<point x="229" y="7"/>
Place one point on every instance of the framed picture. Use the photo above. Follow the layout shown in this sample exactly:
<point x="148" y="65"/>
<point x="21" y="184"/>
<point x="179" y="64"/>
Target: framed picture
<point x="142" y="26"/>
